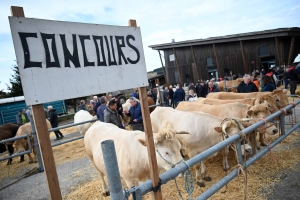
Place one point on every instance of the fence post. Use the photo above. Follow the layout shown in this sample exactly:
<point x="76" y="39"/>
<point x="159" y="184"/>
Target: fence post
<point x="112" y="170"/>
<point x="282" y="126"/>
<point x="239" y="152"/>
<point x="136" y="195"/>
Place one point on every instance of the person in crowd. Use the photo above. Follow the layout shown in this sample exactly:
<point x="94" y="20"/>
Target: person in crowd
<point x="285" y="78"/>
<point x="201" y="89"/>
<point x="25" y="114"/>
<point x="179" y="95"/>
<point x="46" y="112"/>
<point x="21" y="118"/>
<point x="246" y="85"/>
<point x="111" y="114"/>
<point x="212" y="88"/>
<point x="119" y="105"/>
<point x="171" y="95"/>
<point x="263" y="72"/>
<point x="192" y="87"/>
<point x="165" y="94"/>
<point x="293" y="76"/>
<point x="101" y="108"/>
<point x="154" y="94"/>
<point x="96" y="103"/>
<point x="54" y="122"/>
<point x="192" y="96"/>
<point x="82" y="106"/>
<point x="268" y="84"/>
<point x="29" y="114"/>
<point x="134" y="94"/>
<point x="135" y="114"/>
<point x="271" y="73"/>
<point x="255" y="80"/>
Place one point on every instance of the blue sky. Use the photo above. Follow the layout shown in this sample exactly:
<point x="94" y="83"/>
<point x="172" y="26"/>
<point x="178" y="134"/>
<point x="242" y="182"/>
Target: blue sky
<point x="160" y="21"/>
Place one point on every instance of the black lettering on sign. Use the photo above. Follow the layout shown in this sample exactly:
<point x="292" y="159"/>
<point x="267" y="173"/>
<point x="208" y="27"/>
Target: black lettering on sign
<point x="128" y="37"/>
<point x="119" y="47"/>
<point x="28" y="63"/>
<point x="86" y="62"/>
<point x="100" y="63"/>
<point x="68" y="57"/>
<point x="55" y="63"/>
<point x="110" y="62"/>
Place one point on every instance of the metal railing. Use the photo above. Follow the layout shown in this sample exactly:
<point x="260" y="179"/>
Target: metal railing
<point x="138" y="191"/>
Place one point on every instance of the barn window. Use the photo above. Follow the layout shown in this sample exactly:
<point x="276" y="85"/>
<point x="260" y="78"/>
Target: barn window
<point x="209" y="61"/>
<point x="263" y="50"/>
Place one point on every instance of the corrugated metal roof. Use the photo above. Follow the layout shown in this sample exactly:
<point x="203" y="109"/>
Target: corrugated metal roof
<point x="293" y="31"/>
<point x="12" y="99"/>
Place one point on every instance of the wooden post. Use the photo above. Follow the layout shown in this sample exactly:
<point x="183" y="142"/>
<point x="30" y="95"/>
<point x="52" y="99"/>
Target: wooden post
<point x="196" y="66"/>
<point x="163" y="68"/>
<point x="154" y="173"/>
<point x="43" y="136"/>
<point x="159" y="93"/>
<point x="178" y="68"/>
<point x="244" y="57"/>
<point x="291" y="50"/>
<point x="278" y="51"/>
<point x="217" y="60"/>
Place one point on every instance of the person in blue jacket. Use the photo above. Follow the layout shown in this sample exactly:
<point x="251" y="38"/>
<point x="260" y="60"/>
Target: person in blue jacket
<point x="268" y="84"/>
<point x="179" y="95"/>
<point x="135" y="114"/>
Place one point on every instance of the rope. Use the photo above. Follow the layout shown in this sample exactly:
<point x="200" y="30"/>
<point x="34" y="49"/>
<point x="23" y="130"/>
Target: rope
<point x="27" y="174"/>
<point x="273" y="158"/>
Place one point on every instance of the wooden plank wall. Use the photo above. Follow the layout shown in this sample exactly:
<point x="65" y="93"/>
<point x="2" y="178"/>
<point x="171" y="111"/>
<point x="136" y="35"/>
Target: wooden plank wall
<point x="229" y="55"/>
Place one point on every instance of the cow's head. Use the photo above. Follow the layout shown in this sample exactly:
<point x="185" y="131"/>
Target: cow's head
<point x="281" y="100"/>
<point x="259" y="112"/>
<point x="229" y="127"/>
<point x="268" y="101"/>
<point x="20" y="145"/>
<point x="167" y="148"/>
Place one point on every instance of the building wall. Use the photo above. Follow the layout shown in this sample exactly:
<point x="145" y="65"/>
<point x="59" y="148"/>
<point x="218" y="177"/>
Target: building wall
<point x="229" y="56"/>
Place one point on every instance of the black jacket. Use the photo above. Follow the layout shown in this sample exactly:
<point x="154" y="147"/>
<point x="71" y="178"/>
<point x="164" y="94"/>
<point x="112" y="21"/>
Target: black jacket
<point x="201" y="90"/>
<point x="53" y="118"/>
<point x="241" y="87"/>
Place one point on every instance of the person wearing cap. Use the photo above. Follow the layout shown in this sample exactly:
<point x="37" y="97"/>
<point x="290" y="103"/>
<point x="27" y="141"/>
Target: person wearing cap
<point x="82" y="106"/>
<point x="135" y="114"/>
<point x="53" y="118"/>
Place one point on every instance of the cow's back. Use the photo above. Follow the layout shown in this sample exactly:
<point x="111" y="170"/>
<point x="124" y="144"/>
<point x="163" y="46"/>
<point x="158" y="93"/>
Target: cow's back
<point x="8" y="131"/>
<point x="249" y="101"/>
<point x="82" y="116"/>
<point x="232" y="95"/>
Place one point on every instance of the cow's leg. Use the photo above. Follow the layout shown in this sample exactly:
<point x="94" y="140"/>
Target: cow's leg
<point x="34" y="155"/>
<point x="11" y="151"/>
<point x="262" y="139"/>
<point x="21" y="158"/>
<point x="30" y="158"/>
<point x="198" y="176"/>
<point x="203" y="171"/>
<point x="105" y="190"/>
<point x="252" y="140"/>
<point x="225" y="161"/>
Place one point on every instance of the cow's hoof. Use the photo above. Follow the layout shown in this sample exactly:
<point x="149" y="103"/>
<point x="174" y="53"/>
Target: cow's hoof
<point x="106" y="194"/>
<point x="8" y="163"/>
<point x="35" y="161"/>
<point x="226" y="169"/>
<point x="30" y="162"/>
<point x="200" y="184"/>
<point x="22" y="160"/>
<point x="207" y="178"/>
<point x="263" y="144"/>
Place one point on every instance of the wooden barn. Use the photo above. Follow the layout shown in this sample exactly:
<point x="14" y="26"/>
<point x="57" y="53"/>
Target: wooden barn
<point x="215" y="57"/>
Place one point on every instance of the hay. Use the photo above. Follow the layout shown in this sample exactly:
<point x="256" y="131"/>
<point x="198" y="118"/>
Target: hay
<point x="261" y="176"/>
<point x="65" y="131"/>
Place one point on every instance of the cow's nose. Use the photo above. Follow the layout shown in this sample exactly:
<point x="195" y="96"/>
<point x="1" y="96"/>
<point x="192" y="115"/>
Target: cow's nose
<point x="275" y="131"/>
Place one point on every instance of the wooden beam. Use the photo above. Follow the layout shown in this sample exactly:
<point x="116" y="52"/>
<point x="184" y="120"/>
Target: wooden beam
<point x="196" y="66"/>
<point x="291" y="50"/>
<point x="154" y="173"/>
<point x="217" y="60"/>
<point x="43" y="137"/>
<point x="244" y="57"/>
<point x="278" y="51"/>
<point x="178" y="68"/>
<point x="163" y="68"/>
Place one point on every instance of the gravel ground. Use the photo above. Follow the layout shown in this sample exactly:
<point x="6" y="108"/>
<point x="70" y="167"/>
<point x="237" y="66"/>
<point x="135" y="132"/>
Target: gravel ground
<point x="79" y="171"/>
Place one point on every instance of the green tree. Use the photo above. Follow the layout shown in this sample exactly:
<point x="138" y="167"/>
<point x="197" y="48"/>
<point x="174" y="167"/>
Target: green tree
<point x="16" y="85"/>
<point x="2" y="94"/>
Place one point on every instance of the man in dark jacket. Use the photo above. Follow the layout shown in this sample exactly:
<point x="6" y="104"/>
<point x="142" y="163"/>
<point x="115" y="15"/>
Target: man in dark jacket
<point x="111" y="114"/>
<point x="171" y="95"/>
<point x="179" y="95"/>
<point x="212" y="88"/>
<point x="246" y="86"/>
<point x="135" y="114"/>
<point x="101" y="108"/>
<point x="292" y="74"/>
<point x="54" y="122"/>
<point x="201" y="89"/>
<point x="165" y="94"/>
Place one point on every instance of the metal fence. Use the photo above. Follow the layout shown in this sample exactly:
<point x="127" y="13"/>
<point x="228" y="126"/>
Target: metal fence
<point x="138" y="191"/>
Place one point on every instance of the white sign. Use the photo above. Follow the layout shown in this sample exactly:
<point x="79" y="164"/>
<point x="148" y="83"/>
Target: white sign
<point x="63" y="60"/>
<point x="172" y="58"/>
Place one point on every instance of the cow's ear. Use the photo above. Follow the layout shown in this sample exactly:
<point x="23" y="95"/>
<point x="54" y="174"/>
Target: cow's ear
<point x="218" y="129"/>
<point x="143" y="142"/>
<point x="249" y="113"/>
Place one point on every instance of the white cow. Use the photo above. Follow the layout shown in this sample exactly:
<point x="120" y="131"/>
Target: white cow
<point x="131" y="151"/>
<point x="82" y="116"/>
<point x="205" y="131"/>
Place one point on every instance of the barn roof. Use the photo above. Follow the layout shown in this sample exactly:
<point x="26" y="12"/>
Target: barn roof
<point x="293" y="31"/>
<point x="12" y="99"/>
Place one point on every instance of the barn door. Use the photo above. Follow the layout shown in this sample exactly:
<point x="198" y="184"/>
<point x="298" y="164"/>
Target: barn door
<point x="195" y="72"/>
